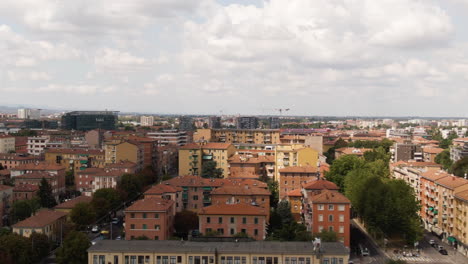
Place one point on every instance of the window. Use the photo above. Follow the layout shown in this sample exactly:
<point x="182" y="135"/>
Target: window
<point x="172" y="260"/>
<point x="132" y="215"/>
<point x="132" y="226"/>
<point x="341" y="229"/>
<point x="220" y="231"/>
<point x="156" y="238"/>
<point x="330" y="228"/>
<point x="256" y="232"/>
<point x="157" y="227"/>
<point x="244" y="231"/>
<point x="341" y="208"/>
<point x="144" y="215"/>
<point x="156" y="216"/>
<point x="116" y="259"/>
<point x="330" y="218"/>
<point x="220" y="220"/>
<point x="207" y="230"/>
<point x="195" y="197"/>
<point x="256" y="220"/>
<point x="331" y="207"/>
<point x="320" y="217"/>
<point x="341" y="218"/>
<point x="326" y="261"/>
<point x="208" y="219"/>
<point x="144" y="226"/>
<point x="232" y="231"/>
<point x="244" y="220"/>
<point x="320" y="228"/>
<point x="232" y="220"/>
<point x="321" y="207"/>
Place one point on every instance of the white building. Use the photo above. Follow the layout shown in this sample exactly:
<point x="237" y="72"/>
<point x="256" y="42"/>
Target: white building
<point x="166" y="137"/>
<point x="147" y="120"/>
<point x="7" y="143"/>
<point x="27" y="113"/>
<point x="36" y="145"/>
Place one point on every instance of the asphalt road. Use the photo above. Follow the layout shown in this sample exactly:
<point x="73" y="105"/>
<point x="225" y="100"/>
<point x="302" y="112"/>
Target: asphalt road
<point x="375" y="255"/>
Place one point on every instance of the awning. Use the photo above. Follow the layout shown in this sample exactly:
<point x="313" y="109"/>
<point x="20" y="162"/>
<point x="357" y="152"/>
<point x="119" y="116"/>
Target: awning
<point x="451" y="239"/>
<point x="431" y="208"/>
<point x="436" y="212"/>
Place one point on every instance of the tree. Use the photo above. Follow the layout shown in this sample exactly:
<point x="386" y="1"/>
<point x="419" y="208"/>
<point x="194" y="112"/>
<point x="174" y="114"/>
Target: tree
<point x="284" y="211"/>
<point x="327" y="236"/>
<point x="443" y="159"/>
<point x="45" y="194"/>
<point x="15" y="249"/>
<point x="69" y="178"/>
<point x="341" y="167"/>
<point x="74" y="249"/>
<point x="105" y="200"/>
<point x="460" y="168"/>
<point x="130" y="185"/>
<point x="377" y="154"/>
<point x="185" y="221"/>
<point x="82" y="215"/>
<point x="40" y="245"/>
<point x="24" y="208"/>
<point x="273" y="188"/>
<point x="209" y="170"/>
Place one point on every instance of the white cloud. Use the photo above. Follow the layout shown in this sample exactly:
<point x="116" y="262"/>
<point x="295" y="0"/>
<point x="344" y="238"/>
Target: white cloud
<point x="33" y="76"/>
<point x="114" y="59"/>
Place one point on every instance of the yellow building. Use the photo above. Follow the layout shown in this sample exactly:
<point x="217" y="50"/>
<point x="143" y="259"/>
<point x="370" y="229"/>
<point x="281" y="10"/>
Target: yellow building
<point x="294" y="155"/>
<point x="461" y="221"/>
<point x="192" y="156"/>
<point x="235" y="136"/>
<point x="191" y="252"/>
<point x="117" y="150"/>
<point x="46" y="222"/>
<point x="76" y="159"/>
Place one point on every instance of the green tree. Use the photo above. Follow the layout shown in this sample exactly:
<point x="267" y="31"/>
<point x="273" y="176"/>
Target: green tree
<point x="327" y="236"/>
<point x="45" y="194"/>
<point x="40" y="245"/>
<point x="340" y="168"/>
<point x="284" y="211"/>
<point x="24" y="208"/>
<point x="82" y="215"/>
<point x="74" y="249"/>
<point x="273" y="188"/>
<point x="69" y="178"/>
<point x="460" y="168"/>
<point x="443" y="159"/>
<point x="209" y="170"/>
<point x="15" y="249"/>
<point x="105" y="200"/>
<point x="130" y="185"/>
<point x="377" y="154"/>
<point x="185" y="221"/>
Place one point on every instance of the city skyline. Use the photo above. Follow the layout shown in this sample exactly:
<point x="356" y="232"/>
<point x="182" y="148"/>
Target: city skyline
<point x="344" y="58"/>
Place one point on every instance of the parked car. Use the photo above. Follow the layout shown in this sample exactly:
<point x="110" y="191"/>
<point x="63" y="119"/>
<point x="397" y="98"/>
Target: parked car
<point x="118" y="238"/>
<point x="115" y="221"/>
<point x="440" y="247"/>
<point x="443" y="252"/>
<point x="95" y="229"/>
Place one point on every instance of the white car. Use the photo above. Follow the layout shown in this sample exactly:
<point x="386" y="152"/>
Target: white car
<point x="95" y="229"/>
<point x="431" y="242"/>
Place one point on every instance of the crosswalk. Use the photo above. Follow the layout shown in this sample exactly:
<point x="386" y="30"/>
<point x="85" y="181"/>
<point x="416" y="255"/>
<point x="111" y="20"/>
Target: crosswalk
<point x="422" y="259"/>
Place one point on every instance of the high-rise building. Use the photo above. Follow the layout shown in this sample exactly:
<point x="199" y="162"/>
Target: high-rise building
<point x="147" y="120"/>
<point x="185" y="123"/>
<point x="89" y="120"/>
<point x="247" y="122"/>
<point x="215" y="122"/>
<point x="28" y="113"/>
<point x="274" y="122"/>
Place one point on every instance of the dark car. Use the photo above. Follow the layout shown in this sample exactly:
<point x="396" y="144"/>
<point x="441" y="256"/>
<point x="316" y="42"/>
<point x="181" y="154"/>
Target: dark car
<point x="443" y="252"/>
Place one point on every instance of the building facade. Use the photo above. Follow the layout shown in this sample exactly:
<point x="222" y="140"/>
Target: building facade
<point x="89" y="120"/>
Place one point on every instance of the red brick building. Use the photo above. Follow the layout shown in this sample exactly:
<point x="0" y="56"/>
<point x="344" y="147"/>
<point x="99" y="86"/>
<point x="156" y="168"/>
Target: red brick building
<point x="12" y="160"/>
<point x="56" y="183"/>
<point x="293" y="177"/>
<point x="166" y="192"/>
<point x="24" y="192"/>
<point x="230" y="219"/>
<point x="253" y="167"/>
<point x="150" y="217"/>
<point x="150" y="148"/>
<point x="325" y="208"/>
<point x="242" y="194"/>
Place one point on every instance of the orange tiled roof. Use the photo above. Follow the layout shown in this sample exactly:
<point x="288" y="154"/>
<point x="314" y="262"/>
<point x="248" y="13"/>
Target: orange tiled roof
<point x="35" y="175"/>
<point x="41" y="219"/>
<point x="328" y="196"/>
<point x="433" y="150"/>
<point x="251" y="160"/>
<point x="434" y="174"/>
<point x="15" y="156"/>
<point x="321" y="185"/>
<point x="76" y="151"/>
<point x="240" y="190"/>
<point x="26" y="188"/>
<point x="462" y="195"/>
<point x="416" y="164"/>
<point x="151" y="205"/>
<point x="122" y="164"/>
<point x="163" y="188"/>
<point x="216" y="145"/>
<point x="191" y="146"/>
<point x="299" y="169"/>
<point x="197" y="181"/>
<point x="295" y="193"/>
<point x="5" y="187"/>
<point x="71" y="203"/>
<point x="39" y="166"/>
<point x="232" y="209"/>
<point x="452" y="182"/>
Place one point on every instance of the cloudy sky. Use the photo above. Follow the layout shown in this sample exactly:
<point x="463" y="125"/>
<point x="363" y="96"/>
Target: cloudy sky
<point x="321" y="57"/>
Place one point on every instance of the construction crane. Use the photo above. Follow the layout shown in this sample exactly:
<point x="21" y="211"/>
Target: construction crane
<point x="280" y="110"/>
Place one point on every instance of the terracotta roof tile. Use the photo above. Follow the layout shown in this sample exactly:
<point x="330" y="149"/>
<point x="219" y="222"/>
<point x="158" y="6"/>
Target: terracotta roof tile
<point x="295" y="193"/>
<point x="328" y="196"/>
<point x="232" y="209"/>
<point x="151" y="205"/>
<point x="240" y="190"/>
<point x="162" y="189"/>
<point x="197" y="181"/>
<point x="462" y="195"/>
<point x="71" y="203"/>
<point x="26" y="188"/>
<point x="321" y="185"/>
<point x="434" y="174"/>
<point x="5" y="187"/>
<point x="76" y="151"/>
<point x="452" y="182"/>
<point x="41" y="219"/>
<point x="191" y="146"/>
<point x="433" y="150"/>
<point x="39" y="166"/>
<point x="35" y="175"/>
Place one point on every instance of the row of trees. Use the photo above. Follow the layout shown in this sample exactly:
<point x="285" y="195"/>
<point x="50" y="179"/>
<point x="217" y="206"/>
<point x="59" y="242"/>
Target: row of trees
<point x="388" y="207"/>
<point x="384" y="144"/>
<point x="18" y="249"/>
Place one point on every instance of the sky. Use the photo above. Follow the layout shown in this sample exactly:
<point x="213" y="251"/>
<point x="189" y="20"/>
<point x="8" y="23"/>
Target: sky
<point x="321" y="57"/>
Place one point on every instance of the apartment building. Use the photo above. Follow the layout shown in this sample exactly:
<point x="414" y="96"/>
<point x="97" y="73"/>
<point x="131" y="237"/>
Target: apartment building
<point x="231" y="219"/>
<point x="12" y="160"/>
<point x="251" y="166"/>
<point x="166" y="192"/>
<point x="294" y="155"/>
<point x="56" y="182"/>
<point x="147" y="120"/>
<point x="192" y="252"/>
<point x="25" y="192"/>
<point x="89" y="180"/>
<point x="68" y="206"/>
<point x="429" y="153"/>
<point x="38" y="166"/>
<point x="325" y="208"/>
<point x="293" y="177"/>
<point x="242" y="194"/>
<point x="169" y="137"/>
<point x="36" y="145"/>
<point x="74" y="159"/>
<point x="294" y="198"/>
<point x="461" y="222"/>
<point x="307" y="137"/>
<point x="150" y="149"/>
<point x="7" y="143"/>
<point x="407" y="151"/>
<point x="239" y="136"/>
<point x="247" y="122"/>
<point x="192" y="157"/>
<point x="150" y="217"/>
<point x="459" y="149"/>
<point x="45" y="221"/>
<point x="117" y="150"/>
